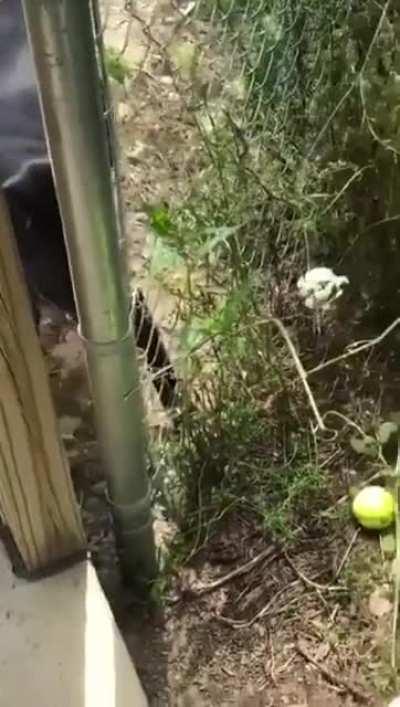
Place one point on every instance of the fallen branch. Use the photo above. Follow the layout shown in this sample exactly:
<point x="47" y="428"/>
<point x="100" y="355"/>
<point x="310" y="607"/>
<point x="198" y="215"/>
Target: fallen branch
<point x="300" y="370"/>
<point x="355" y="349"/>
<point x="270" y="554"/>
<point x="347" y="554"/>
<point x="269" y="607"/>
<point x="240" y="623"/>
<point x="310" y="582"/>
<point x="333" y="678"/>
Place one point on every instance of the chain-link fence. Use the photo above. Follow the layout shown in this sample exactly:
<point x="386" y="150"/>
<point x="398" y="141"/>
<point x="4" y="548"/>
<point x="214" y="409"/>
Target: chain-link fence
<point x="283" y="113"/>
<point x="259" y="138"/>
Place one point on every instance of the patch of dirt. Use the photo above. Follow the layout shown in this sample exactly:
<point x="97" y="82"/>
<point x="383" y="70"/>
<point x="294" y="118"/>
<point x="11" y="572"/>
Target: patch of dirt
<point x="286" y="632"/>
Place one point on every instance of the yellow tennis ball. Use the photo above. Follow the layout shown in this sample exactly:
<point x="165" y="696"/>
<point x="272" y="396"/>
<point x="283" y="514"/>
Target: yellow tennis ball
<point x="374" y="507"/>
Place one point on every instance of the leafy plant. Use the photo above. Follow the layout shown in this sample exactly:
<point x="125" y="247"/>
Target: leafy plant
<point x="379" y="445"/>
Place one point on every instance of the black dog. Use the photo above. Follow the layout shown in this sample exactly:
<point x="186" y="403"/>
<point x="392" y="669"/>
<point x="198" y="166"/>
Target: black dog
<point x="27" y="181"/>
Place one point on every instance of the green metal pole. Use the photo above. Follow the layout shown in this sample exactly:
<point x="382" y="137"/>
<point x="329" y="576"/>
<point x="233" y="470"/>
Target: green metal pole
<point x="63" y="45"/>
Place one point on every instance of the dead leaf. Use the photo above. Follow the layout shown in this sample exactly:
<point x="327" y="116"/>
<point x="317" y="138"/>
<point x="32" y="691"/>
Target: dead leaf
<point x="323" y="651"/>
<point x="188" y="580"/>
<point x="385" y="431"/>
<point x="379" y="605"/>
<point x="388" y="543"/>
<point x="124" y="112"/>
<point x="365" y="445"/>
<point x="187" y="9"/>
<point x="69" y="356"/>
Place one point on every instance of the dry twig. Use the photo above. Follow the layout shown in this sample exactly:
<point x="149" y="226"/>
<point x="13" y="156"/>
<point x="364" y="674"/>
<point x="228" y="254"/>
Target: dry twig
<point x="333" y="678"/>
<point x="310" y="582"/>
<point x="347" y="553"/>
<point x="269" y="554"/>
<point x="300" y="370"/>
<point x="237" y="623"/>
<point x="354" y="349"/>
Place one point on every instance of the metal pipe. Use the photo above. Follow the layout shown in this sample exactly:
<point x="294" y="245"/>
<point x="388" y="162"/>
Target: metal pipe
<point x="109" y="114"/>
<point x="62" y="40"/>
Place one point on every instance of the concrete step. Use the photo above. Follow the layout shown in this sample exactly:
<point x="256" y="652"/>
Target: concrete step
<point x="60" y="646"/>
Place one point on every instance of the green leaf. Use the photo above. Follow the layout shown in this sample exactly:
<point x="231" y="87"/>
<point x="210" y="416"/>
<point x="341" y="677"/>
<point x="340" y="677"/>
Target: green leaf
<point x="365" y="445"/>
<point x="385" y="431"/>
<point x="160" y="221"/>
<point x="116" y="66"/>
<point x="198" y="331"/>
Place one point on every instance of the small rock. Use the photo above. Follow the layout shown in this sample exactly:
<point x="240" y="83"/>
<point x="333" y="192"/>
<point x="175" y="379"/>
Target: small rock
<point x="166" y="80"/>
<point x="124" y="112"/>
<point x="379" y="605"/>
<point x="137" y="153"/>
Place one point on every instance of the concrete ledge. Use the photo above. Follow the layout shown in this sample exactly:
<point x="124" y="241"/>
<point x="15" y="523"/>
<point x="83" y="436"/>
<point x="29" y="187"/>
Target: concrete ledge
<point x="60" y="646"/>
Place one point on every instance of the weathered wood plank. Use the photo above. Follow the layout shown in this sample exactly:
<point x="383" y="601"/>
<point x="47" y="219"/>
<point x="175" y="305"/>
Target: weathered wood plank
<point x="37" y="501"/>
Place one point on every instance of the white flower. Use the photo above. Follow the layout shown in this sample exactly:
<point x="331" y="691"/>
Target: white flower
<point x="319" y="287"/>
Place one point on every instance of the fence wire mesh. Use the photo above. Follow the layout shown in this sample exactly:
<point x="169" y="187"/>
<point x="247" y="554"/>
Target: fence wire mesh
<point x="258" y="137"/>
<point x="261" y="138"/>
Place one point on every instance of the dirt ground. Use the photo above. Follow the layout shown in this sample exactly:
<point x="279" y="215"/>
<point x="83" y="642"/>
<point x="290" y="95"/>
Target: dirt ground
<point x="243" y="623"/>
<point x="265" y="639"/>
<point x="273" y="630"/>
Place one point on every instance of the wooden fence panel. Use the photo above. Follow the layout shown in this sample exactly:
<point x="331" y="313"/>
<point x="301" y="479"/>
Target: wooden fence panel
<point x="37" y="501"/>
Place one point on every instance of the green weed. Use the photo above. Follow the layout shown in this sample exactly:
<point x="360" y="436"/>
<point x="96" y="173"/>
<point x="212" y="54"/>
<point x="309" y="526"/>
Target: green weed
<point x="117" y="67"/>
